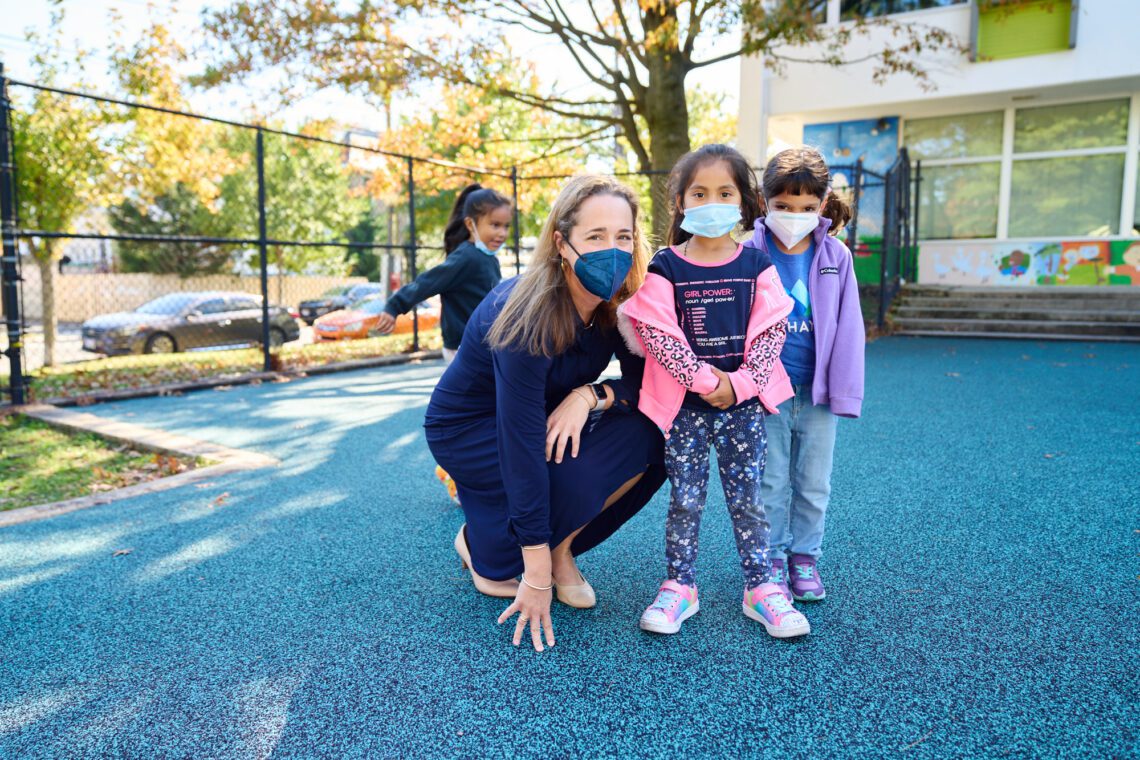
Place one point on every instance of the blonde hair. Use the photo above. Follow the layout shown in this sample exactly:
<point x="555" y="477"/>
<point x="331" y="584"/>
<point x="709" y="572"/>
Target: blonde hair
<point x="539" y="315"/>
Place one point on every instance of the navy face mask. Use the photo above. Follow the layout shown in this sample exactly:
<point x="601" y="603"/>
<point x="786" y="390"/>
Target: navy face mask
<point x="602" y="272"/>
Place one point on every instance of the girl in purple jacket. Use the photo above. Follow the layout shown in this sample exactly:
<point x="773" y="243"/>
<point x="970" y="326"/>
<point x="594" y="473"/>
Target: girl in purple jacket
<point x="823" y="355"/>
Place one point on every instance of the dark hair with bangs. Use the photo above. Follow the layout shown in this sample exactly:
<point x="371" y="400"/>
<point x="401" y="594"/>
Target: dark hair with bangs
<point x="802" y="171"/>
<point x="742" y="176"/>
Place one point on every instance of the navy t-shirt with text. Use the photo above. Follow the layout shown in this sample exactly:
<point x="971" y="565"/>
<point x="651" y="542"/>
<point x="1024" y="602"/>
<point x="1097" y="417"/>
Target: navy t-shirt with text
<point x="714" y="303"/>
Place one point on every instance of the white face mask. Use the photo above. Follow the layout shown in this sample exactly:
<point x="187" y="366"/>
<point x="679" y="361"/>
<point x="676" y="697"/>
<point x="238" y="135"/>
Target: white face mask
<point x="791" y="228"/>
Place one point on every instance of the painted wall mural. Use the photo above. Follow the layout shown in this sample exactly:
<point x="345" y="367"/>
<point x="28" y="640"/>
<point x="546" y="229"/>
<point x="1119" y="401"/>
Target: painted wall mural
<point x="843" y="143"/>
<point x="1070" y="262"/>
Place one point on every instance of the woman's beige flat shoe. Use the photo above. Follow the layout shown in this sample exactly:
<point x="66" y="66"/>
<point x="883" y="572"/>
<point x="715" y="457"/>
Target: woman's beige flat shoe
<point x="581" y="596"/>
<point x="502" y="589"/>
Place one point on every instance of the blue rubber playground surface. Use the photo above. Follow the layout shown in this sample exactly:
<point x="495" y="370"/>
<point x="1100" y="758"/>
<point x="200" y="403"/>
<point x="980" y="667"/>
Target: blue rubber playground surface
<point x="981" y="561"/>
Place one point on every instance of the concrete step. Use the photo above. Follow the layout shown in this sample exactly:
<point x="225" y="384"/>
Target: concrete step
<point x="1043" y="303"/>
<point x="1019" y="326"/>
<point x="1018" y="336"/>
<point x="931" y="309"/>
<point x="1056" y="293"/>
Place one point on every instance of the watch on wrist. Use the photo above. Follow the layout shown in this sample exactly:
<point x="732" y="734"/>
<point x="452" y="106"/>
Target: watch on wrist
<point x="599" y="390"/>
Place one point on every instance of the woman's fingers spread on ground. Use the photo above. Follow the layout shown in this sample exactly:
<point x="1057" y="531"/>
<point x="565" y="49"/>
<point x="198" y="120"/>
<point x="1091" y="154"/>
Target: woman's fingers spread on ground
<point x="548" y="626"/>
<point x="508" y="612"/>
<point x="536" y="636"/>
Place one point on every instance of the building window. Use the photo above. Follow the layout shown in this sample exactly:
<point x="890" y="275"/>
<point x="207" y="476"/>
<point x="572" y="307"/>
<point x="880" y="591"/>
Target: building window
<point x="961" y="174"/>
<point x="1068" y="169"/>
<point x="1059" y="197"/>
<point x="850" y="10"/>
<point x="1136" y="211"/>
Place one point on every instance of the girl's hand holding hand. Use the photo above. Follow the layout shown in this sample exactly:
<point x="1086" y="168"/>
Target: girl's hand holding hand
<point x="564" y="425"/>
<point x="723" y="397"/>
<point x="386" y="324"/>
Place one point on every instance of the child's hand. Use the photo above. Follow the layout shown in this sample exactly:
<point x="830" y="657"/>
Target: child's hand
<point x="386" y="324"/>
<point x="723" y="397"/>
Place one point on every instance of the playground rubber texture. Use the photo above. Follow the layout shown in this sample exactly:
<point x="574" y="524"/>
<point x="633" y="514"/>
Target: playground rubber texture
<point x="980" y="560"/>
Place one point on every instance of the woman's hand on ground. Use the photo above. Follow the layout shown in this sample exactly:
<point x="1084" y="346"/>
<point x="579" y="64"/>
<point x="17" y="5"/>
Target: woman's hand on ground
<point x="533" y="607"/>
<point x="723" y="397"/>
<point x="564" y="425"/>
<point x="386" y="324"/>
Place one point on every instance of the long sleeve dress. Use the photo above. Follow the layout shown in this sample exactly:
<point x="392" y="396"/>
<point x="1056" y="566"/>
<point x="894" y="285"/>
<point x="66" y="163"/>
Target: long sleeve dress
<point x="486" y="425"/>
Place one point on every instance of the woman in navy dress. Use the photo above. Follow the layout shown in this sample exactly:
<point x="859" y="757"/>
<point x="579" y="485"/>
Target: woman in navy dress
<point x="548" y="462"/>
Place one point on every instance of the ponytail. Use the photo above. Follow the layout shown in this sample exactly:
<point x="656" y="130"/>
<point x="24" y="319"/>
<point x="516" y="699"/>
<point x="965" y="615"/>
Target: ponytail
<point x="837" y="210"/>
<point x="473" y="202"/>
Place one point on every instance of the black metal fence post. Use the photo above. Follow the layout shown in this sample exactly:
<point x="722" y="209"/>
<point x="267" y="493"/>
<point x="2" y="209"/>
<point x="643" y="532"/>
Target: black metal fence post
<point x="916" y="207"/>
<point x="10" y="262"/>
<point x="412" y="246"/>
<point x="904" y="196"/>
<point x="263" y="250"/>
<point x="856" y="191"/>
<point x="515" y="223"/>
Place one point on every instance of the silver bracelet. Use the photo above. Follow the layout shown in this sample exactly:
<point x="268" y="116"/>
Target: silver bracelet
<point x="536" y="588"/>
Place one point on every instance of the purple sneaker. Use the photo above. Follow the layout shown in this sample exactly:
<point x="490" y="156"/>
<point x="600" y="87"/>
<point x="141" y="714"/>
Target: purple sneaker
<point x="805" y="581"/>
<point x="779" y="576"/>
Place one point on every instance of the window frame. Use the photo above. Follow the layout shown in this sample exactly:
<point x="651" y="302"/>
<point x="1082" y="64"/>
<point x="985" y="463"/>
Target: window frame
<point x="1130" y="150"/>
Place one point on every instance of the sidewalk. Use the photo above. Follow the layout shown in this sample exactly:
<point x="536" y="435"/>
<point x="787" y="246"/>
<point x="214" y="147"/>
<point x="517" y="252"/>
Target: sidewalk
<point x="981" y="562"/>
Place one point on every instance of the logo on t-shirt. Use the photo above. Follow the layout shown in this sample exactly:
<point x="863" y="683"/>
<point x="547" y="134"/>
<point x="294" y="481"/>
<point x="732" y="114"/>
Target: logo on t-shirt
<point x="829" y="270"/>
<point x="800" y="318"/>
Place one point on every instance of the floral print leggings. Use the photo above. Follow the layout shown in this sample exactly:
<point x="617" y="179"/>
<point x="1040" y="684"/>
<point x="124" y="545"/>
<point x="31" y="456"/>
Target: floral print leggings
<point x="741" y="448"/>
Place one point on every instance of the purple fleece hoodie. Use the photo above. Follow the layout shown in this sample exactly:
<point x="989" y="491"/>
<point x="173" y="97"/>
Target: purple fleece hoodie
<point x="838" y="321"/>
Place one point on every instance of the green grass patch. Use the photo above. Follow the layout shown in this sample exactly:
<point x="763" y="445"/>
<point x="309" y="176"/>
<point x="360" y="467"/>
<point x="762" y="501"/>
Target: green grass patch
<point x="41" y="464"/>
<point x="119" y="373"/>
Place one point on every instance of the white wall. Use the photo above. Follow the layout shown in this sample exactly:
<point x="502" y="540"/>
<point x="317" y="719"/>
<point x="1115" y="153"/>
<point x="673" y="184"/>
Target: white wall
<point x="1106" y="59"/>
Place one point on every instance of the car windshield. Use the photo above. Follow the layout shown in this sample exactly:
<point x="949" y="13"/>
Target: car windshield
<point x="167" y="305"/>
<point x="369" y="305"/>
<point x="339" y="290"/>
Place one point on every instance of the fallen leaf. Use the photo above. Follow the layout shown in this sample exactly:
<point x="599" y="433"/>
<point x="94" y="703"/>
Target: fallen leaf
<point x="203" y="485"/>
<point x="1090" y="356"/>
<point x="222" y="499"/>
<point x="952" y="374"/>
<point x="121" y="552"/>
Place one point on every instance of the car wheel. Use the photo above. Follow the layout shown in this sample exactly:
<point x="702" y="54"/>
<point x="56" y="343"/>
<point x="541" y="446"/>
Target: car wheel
<point x="160" y="343"/>
<point x="276" y="337"/>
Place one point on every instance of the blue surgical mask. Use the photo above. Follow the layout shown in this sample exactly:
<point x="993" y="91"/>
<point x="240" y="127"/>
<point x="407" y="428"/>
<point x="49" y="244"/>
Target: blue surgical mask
<point x="483" y="247"/>
<point x="711" y="220"/>
<point x="602" y="272"/>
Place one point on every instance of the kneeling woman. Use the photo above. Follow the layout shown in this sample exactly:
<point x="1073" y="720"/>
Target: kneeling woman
<point x="547" y="461"/>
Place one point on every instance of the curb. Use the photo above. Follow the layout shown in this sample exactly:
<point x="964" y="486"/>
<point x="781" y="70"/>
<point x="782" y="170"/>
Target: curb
<point x="173" y="389"/>
<point x="226" y="460"/>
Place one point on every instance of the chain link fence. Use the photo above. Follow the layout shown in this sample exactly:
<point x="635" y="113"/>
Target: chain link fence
<point x="158" y="249"/>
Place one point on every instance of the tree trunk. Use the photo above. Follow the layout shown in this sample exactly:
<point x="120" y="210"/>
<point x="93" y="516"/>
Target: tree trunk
<point x="666" y="110"/>
<point x="47" y="264"/>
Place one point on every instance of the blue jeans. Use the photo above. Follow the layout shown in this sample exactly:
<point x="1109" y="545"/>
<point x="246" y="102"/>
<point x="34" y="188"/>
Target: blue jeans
<point x="797" y="481"/>
<point x="738" y="437"/>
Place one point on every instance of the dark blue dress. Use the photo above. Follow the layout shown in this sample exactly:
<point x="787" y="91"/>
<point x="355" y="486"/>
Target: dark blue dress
<point x="486" y="425"/>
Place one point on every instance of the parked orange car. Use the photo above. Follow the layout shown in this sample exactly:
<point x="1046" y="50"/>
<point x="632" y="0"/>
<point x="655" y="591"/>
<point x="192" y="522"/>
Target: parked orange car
<point x="360" y="319"/>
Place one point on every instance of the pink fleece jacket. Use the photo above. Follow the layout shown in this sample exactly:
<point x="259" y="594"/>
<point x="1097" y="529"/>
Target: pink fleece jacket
<point x="662" y="395"/>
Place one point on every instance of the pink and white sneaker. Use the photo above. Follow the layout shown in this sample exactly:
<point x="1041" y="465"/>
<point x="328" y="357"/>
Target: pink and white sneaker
<point x="675" y="603"/>
<point x="767" y="604"/>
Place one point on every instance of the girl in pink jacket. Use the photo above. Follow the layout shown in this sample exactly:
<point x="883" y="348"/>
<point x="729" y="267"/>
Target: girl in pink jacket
<point x="712" y="319"/>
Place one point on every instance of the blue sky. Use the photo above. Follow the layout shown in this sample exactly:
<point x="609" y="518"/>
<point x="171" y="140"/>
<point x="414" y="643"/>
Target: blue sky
<point x="88" y="26"/>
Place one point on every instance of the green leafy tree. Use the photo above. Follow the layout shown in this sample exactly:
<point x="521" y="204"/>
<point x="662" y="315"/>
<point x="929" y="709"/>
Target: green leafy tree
<point x="637" y="55"/>
<point x="177" y="212"/>
<point x="309" y="198"/>
<point x="62" y="163"/>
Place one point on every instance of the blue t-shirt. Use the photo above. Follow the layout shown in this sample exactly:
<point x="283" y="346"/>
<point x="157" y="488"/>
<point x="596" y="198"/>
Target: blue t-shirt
<point x="798" y="356"/>
<point x="713" y="302"/>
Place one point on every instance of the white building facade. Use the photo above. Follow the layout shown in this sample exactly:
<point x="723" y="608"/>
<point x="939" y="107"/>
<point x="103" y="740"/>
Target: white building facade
<point x="1029" y="146"/>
